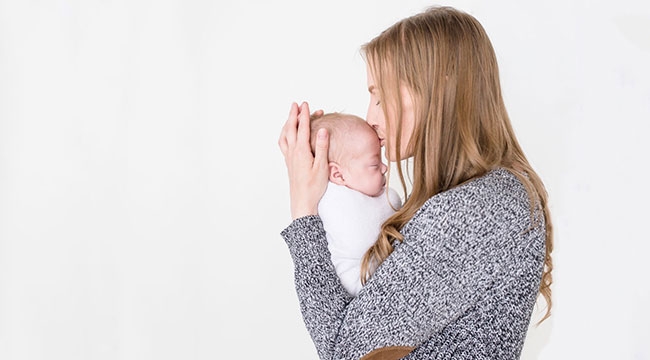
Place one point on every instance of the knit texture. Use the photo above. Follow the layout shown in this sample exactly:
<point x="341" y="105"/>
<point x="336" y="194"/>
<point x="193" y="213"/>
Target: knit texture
<point x="462" y="285"/>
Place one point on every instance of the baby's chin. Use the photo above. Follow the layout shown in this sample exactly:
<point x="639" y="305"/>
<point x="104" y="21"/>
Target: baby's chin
<point x="379" y="192"/>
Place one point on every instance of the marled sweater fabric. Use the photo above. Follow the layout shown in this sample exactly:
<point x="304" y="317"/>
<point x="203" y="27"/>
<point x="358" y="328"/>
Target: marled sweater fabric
<point x="462" y="285"/>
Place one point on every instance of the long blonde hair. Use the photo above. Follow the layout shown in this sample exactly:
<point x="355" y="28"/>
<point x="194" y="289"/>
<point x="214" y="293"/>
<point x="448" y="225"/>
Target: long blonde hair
<point x="462" y="130"/>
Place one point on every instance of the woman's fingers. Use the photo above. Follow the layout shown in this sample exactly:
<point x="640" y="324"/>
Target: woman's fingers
<point x="288" y="133"/>
<point x="307" y="173"/>
<point x="282" y="142"/>
<point x="292" y="125"/>
<point x="322" y="147"/>
<point x="316" y="114"/>
<point x="303" y="126"/>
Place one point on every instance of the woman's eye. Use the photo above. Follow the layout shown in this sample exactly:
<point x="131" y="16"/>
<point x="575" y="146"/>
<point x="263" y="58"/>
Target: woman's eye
<point x="378" y="102"/>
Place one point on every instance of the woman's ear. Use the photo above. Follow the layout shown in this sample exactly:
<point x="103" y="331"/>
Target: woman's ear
<point x="336" y="176"/>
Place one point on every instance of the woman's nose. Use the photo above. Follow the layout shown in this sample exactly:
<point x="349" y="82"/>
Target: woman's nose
<point x="370" y="119"/>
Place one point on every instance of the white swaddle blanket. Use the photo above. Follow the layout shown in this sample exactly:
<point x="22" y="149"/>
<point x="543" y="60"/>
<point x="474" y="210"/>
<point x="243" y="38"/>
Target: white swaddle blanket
<point x="352" y="222"/>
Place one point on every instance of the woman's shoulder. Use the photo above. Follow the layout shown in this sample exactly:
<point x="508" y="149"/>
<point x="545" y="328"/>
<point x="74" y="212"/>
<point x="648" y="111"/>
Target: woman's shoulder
<point x="499" y="185"/>
<point x="497" y="195"/>
<point x="493" y="182"/>
<point x="489" y="214"/>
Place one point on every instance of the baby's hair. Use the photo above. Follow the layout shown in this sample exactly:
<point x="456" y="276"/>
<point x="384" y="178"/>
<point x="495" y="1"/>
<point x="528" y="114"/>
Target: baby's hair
<point x="337" y="125"/>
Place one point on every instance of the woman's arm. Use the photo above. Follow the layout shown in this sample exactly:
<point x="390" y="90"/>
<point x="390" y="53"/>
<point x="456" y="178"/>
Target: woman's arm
<point x="454" y="251"/>
<point x="395" y="308"/>
<point x="322" y="297"/>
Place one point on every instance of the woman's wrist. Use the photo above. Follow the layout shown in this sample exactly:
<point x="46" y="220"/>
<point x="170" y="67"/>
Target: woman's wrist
<point x="301" y="211"/>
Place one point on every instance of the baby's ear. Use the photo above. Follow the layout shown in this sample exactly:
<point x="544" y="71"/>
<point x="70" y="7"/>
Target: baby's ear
<point x="336" y="176"/>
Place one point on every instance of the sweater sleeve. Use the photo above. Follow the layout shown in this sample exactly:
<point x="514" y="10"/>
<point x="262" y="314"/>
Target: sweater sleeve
<point x="322" y="297"/>
<point x="453" y="252"/>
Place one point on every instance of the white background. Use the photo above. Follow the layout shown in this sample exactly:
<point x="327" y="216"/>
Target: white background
<point x="142" y="191"/>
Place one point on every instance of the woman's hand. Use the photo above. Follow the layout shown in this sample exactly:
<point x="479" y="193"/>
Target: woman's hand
<point x="308" y="174"/>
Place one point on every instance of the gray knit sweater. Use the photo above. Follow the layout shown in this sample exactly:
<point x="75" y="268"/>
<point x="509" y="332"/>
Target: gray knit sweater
<point x="462" y="285"/>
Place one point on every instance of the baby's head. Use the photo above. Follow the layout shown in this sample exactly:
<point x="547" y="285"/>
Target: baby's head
<point x="354" y="153"/>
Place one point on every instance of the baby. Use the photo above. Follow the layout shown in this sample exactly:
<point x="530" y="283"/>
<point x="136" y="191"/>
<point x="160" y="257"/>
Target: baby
<point x="355" y="203"/>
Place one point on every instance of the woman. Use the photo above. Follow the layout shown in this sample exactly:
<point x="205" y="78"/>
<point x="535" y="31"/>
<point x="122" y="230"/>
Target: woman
<point x="456" y="271"/>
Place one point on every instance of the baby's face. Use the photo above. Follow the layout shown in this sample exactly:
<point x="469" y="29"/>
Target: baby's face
<point x="363" y="169"/>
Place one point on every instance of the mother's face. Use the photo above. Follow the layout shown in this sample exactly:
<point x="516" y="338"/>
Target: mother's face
<point x="378" y="119"/>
